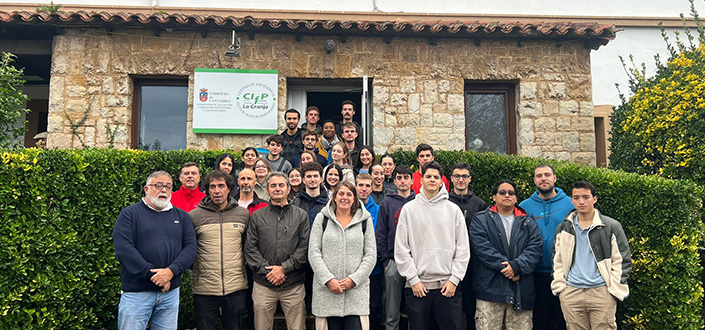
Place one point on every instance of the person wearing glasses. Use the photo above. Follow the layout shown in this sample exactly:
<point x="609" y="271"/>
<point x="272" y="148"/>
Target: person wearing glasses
<point x="154" y="243"/>
<point x="506" y="244"/>
<point x="432" y="252"/>
<point x="548" y="205"/>
<point x="470" y="204"/>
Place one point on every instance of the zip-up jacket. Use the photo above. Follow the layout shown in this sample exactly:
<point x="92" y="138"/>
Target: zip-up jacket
<point x="609" y="246"/>
<point x="292" y="144"/>
<point x="372" y="207"/>
<point x="386" y="228"/>
<point x="278" y="236"/>
<point x="489" y="245"/>
<point x="257" y="203"/>
<point x="547" y="214"/>
<point x="219" y="268"/>
<point x="312" y="205"/>
<point x="187" y="199"/>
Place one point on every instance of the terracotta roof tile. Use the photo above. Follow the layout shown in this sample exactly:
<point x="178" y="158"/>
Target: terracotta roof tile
<point x="596" y="33"/>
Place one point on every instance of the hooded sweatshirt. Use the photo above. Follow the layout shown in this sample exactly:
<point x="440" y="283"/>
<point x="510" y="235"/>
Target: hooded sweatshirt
<point x="431" y="243"/>
<point x="386" y="227"/>
<point x="548" y="214"/>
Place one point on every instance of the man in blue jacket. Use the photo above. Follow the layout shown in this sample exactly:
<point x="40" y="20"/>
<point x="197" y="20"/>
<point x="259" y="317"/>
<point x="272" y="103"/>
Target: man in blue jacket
<point x="154" y="243"/>
<point x="548" y="206"/>
<point x="364" y="189"/>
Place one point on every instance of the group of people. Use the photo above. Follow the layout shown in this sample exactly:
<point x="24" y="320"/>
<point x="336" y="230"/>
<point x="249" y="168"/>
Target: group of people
<point x="356" y="242"/>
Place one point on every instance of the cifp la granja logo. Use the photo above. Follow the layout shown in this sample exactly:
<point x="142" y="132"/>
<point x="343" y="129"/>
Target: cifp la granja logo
<point x="256" y="100"/>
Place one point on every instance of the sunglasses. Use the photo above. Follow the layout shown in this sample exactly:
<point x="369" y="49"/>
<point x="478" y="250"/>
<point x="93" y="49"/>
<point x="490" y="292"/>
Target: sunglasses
<point x="507" y="192"/>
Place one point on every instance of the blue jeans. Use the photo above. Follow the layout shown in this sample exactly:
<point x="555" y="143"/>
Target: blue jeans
<point x="137" y="308"/>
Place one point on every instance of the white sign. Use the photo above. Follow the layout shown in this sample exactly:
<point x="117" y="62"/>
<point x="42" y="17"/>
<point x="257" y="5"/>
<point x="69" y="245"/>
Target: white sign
<point x="234" y="101"/>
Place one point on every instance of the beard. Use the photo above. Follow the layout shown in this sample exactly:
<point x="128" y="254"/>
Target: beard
<point x="546" y="191"/>
<point x="159" y="203"/>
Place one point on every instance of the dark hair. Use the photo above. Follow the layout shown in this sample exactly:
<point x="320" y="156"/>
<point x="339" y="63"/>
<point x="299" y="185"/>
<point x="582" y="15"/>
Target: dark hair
<point x="217" y="175"/>
<point x="545" y="165"/>
<point x="432" y="165"/>
<point x="276" y="138"/>
<point x="223" y="156"/>
<point x="250" y="148"/>
<point x="313" y="108"/>
<point x="307" y="133"/>
<point x="500" y="182"/>
<point x="328" y="121"/>
<point x="402" y="169"/>
<point x="348" y="102"/>
<point x="461" y="166"/>
<point x="298" y="114"/>
<point x="423" y="147"/>
<point x="325" y="175"/>
<point x="582" y="184"/>
<point x="358" y="163"/>
<point x="388" y="155"/>
<point x="356" y="198"/>
<point x="189" y="164"/>
<point x="315" y="166"/>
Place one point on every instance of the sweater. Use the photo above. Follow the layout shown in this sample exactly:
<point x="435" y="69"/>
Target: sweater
<point x="219" y="268"/>
<point x="187" y="199"/>
<point x="146" y="239"/>
<point x="386" y="228"/>
<point x="339" y="253"/>
<point x="548" y="214"/>
<point x="431" y="243"/>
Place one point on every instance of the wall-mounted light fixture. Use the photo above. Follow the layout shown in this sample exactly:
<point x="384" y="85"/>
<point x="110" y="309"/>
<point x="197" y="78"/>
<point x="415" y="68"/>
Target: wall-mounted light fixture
<point x="329" y="46"/>
<point x="234" y="48"/>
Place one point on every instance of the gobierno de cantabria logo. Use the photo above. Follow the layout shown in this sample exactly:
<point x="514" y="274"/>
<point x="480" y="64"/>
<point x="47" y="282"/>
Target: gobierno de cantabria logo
<point x="256" y="100"/>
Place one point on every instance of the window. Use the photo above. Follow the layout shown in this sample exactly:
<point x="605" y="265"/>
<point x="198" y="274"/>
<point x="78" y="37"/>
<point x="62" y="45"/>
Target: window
<point x="490" y="120"/>
<point x="159" y="114"/>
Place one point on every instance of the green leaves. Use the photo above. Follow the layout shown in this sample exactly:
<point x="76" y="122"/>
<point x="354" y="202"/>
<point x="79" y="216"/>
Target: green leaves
<point x="12" y="102"/>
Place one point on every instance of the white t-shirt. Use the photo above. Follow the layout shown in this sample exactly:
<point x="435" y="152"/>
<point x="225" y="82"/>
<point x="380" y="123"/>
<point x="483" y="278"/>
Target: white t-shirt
<point x="508" y="222"/>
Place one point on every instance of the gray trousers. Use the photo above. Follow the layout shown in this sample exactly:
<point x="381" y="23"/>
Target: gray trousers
<point x="393" y="286"/>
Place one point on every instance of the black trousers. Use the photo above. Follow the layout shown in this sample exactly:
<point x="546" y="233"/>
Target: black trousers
<point x="448" y="312"/>
<point x="376" y="292"/>
<point x="547" y="309"/>
<point x="350" y="322"/>
<point x="207" y="308"/>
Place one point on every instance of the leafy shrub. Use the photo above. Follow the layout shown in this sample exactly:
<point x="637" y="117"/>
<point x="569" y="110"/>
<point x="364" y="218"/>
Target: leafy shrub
<point x="58" y="269"/>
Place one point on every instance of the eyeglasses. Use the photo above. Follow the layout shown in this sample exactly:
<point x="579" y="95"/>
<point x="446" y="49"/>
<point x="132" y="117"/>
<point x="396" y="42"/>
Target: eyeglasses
<point x="507" y="192"/>
<point x="460" y="177"/>
<point x="160" y="186"/>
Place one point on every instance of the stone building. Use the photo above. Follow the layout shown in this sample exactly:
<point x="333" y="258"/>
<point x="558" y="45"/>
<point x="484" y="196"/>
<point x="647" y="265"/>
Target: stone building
<point x="455" y="82"/>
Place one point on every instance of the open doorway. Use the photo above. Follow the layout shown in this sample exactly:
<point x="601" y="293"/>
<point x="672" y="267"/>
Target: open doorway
<point x="328" y="95"/>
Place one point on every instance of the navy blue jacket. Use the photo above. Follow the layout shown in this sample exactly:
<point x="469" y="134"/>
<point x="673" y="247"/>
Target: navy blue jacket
<point x="490" y="248"/>
<point x="312" y="205"/>
<point x="387" y="225"/>
<point x="146" y="239"/>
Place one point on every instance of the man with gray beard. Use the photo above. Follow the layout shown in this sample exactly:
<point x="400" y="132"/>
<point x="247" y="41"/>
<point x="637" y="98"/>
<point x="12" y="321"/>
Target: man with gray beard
<point x="154" y="243"/>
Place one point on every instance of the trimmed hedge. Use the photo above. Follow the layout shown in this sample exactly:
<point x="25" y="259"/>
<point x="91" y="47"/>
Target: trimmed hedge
<point x="58" y="269"/>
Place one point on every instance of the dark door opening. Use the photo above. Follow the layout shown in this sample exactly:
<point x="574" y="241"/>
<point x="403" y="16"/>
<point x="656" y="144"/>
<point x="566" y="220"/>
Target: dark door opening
<point x="330" y="104"/>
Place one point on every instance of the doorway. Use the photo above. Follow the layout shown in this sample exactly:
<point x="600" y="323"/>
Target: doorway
<point x="328" y="95"/>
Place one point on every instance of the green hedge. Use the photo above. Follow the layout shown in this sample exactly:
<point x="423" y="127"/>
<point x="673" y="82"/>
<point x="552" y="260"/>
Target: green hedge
<point x="58" y="269"/>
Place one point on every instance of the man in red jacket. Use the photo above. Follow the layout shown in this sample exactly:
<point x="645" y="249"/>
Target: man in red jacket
<point x="424" y="155"/>
<point x="188" y="197"/>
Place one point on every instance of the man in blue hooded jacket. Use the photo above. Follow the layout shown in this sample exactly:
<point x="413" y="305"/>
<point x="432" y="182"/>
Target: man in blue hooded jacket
<point x="548" y="206"/>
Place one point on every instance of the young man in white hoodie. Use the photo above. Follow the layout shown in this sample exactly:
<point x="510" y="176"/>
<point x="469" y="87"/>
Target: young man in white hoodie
<point x="432" y="252"/>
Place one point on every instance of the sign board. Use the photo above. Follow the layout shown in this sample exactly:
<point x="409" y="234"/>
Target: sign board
<point x="235" y="101"/>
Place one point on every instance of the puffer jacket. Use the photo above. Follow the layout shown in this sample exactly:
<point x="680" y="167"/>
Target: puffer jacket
<point x="609" y="246"/>
<point x="219" y="268"/>
<point x="339" y="253"/>
<point x="490" y="248"/>
<point x="278" y="236"/>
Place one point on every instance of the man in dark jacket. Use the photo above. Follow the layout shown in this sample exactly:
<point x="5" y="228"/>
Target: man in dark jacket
<point x="507" y="247"/>
<point x="311" y="199"/>
<point x="470" y="204"/>
<point x="386" y="230"/>
<point x="292" y="145"/>
<point x="548" y="205"/>
<point x="276" y="250"/>
<point x="219" y="276"/>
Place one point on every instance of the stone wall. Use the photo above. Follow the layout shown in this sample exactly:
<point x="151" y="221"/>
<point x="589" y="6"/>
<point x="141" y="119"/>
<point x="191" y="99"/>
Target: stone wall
<point x="418" y="89"/>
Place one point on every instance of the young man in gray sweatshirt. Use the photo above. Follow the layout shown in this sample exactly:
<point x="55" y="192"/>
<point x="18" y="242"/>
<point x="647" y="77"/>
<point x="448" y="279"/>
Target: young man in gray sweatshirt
<point x="432" y="252"/>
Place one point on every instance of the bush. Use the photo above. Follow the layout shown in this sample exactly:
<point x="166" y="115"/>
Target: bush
<point x="58" y="268"/>
<point x="12" y="102"/>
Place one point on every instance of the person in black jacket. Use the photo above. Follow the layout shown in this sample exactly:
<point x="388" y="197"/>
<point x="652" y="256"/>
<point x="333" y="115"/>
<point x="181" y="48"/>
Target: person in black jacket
<point x="507" y="246"/>
<point x="470" y="204"/>
<point x="293" y="144"/>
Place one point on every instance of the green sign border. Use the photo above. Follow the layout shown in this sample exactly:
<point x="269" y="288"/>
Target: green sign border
<point x="234" y="131"/>
<point x="236" y="70"/>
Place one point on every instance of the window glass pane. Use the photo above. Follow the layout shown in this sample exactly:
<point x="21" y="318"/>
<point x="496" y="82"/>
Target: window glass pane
<point x="163" y="117"/>
<point x="486" y="118"/>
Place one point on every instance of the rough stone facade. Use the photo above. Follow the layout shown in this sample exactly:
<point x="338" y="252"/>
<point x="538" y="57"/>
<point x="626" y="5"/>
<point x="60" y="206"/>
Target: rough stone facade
<point x="417" y="96"/>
